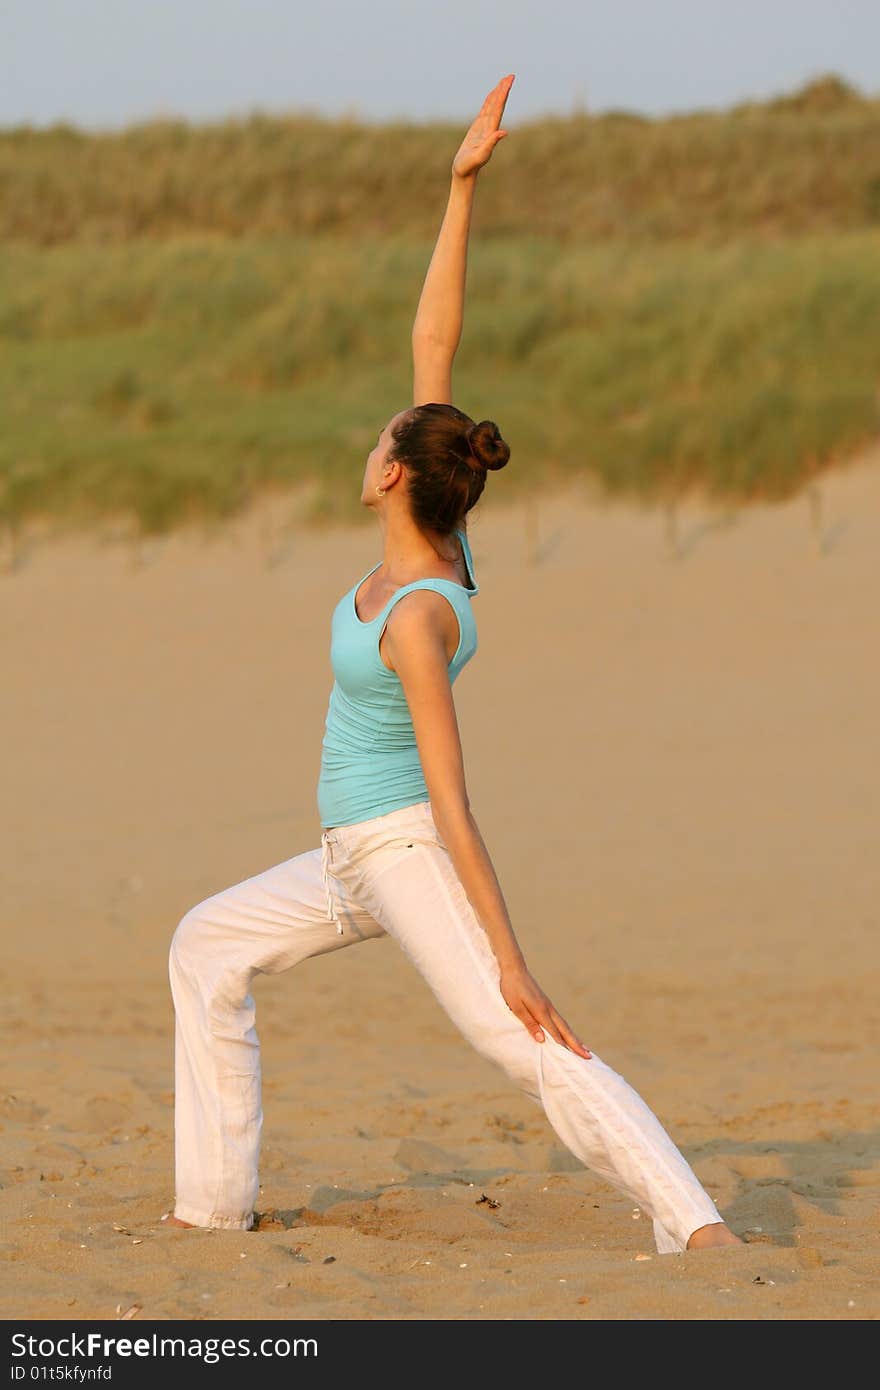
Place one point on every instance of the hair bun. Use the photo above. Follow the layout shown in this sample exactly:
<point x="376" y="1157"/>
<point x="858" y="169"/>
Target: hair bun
<point x="487" y="445"/>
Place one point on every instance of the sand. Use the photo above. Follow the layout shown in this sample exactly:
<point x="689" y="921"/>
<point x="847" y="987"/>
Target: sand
<point x="671" y="742"/>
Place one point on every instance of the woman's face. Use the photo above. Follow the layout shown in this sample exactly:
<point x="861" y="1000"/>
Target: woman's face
<point x="376" y="474"/>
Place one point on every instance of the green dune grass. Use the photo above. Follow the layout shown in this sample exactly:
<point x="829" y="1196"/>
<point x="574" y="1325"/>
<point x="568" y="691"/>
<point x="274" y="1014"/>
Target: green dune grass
<point x="173" y="364"/>
<point x="803" y="164"/>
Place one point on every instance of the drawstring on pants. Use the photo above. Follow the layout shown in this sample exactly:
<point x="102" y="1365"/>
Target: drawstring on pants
<point x="326" y="841"/>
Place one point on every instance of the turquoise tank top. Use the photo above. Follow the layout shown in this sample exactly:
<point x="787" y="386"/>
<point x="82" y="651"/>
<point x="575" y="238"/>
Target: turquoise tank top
<point x="369" y="757"/>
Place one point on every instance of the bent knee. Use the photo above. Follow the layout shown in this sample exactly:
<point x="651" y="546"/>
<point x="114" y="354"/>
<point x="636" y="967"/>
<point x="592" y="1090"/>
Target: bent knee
<point x="191" y="938"/>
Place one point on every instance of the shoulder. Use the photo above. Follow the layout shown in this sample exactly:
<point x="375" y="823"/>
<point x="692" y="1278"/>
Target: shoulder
<point x="420" y="610"/>
<point x="424" y="618"/>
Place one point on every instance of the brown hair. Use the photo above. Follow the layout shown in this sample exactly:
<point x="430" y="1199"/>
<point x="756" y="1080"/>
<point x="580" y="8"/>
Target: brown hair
<point x="447" y="455"/>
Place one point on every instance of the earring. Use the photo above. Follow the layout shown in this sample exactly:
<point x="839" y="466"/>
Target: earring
<point x="381" y="491"/>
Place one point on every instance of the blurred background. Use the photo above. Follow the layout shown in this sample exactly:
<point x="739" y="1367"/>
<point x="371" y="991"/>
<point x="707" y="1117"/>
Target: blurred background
<point x="215" y="220"/>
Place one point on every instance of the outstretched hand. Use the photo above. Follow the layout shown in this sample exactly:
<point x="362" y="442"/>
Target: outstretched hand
<point x="524" y="997"/>
<point x="484" y="134"/>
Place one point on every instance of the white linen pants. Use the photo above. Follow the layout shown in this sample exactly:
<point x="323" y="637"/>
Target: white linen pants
<point x="390" y="875"/>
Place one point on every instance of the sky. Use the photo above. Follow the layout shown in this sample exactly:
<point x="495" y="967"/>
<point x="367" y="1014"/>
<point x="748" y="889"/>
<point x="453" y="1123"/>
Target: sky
<point x="103" y="64"/>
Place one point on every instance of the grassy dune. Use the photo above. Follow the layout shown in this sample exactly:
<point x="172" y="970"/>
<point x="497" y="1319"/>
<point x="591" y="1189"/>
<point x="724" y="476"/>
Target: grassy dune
<point x="192" y="314"/>
<point x="806" y="163"/>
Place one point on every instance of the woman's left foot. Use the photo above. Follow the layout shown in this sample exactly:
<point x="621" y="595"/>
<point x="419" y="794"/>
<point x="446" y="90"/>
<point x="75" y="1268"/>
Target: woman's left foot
<point x="715" y="1234"/>
<point x="169" y="1219"/>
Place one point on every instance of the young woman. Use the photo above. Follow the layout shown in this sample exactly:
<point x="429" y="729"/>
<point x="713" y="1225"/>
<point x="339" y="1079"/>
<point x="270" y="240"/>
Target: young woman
<point x="401" y="853"/>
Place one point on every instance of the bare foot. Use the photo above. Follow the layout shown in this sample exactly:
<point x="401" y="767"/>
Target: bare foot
<point x="715" y="1234"/>
<point x="169" y="1219"/>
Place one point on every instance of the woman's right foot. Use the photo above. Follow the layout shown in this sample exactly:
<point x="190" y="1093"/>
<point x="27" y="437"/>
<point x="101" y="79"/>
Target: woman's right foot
<point x="169" y="1219"/>
<point x="715" y="1234"/>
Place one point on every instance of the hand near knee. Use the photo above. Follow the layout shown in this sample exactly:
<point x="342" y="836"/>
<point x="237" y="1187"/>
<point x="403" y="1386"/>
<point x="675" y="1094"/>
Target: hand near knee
<point x="523" y="996"/>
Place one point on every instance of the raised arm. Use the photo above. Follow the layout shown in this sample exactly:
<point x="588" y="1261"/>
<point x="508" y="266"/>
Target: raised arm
<point x="437" y="327"/>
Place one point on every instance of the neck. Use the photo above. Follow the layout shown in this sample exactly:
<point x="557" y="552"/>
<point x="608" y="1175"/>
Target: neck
<point x="408" y="552"/>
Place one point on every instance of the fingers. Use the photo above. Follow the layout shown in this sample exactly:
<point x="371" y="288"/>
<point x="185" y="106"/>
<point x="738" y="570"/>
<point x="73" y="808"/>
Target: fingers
<point x="495" y="101"/>
<point x="504" y="87"/>
<point x="570" y="1038"/>
<point x="539" y="1017"/>
<point x="528" y="1020"/>
<point x="536" y="1015"/>
<point x="552" y="1027"/>
<point x="557" y="1027"/>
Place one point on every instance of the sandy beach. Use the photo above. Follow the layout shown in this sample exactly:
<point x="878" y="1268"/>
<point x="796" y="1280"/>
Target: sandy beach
<point x="672" y="748"/>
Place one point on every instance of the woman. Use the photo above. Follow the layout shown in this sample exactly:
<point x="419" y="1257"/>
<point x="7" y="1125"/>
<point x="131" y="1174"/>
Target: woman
<point x="401" y="853"/>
